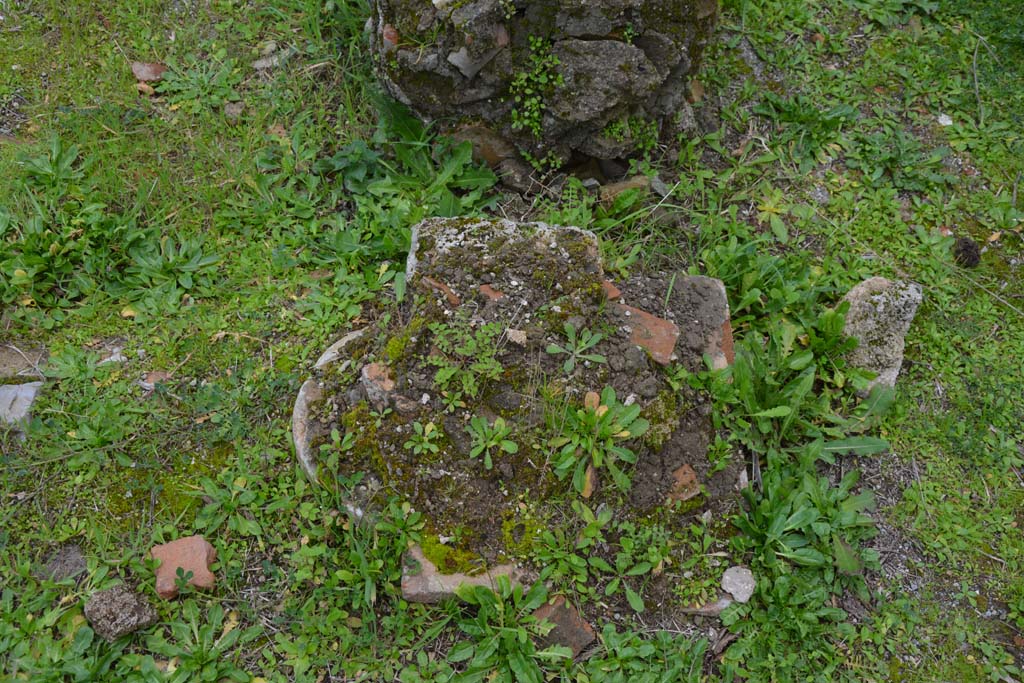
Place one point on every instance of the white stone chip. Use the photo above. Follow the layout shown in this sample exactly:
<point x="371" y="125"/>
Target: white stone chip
<point x="739" y="582"/>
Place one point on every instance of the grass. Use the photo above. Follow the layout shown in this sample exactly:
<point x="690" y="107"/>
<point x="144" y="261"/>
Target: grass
<point x="226" y="253"/>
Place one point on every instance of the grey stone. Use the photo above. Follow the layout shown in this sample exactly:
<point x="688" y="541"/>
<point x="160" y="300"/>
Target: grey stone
<point x="309" y="393"/>
<point x="66" y="562"/>
<point x="118" y="611"/>
<point x="881" y="312"/>
<point x="16" y="402"/>
<point x="739" y="582"/>
<point x="618" y="59"/>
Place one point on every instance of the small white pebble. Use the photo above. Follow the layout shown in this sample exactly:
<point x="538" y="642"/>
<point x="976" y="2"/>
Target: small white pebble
<point x="945" y="120"/>
<point x="630" y="400"/>
<point x="425" y="399"/>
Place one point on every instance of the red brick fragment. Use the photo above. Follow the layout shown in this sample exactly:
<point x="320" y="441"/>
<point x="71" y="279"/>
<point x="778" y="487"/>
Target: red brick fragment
<point x="148" y="72"/>
<point x="610" y="290"/>
<point x="727" y="344"/>
<point x="491" y="293"/>
<point x="453" y="299"/>
<point x="656" y="335"/>
<point x="570" y="629"/>
<point x="685" y="485"/>
<point x="190" y="554"/>
<point x="378" y="383"/>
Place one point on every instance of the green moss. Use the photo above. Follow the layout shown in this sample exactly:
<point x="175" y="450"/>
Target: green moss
<point x="360" y="421"/>
<point x="663" y="414"/>
<point x="133" y="490"/>
<point x="519" y="530"/>
<point x="448" y="559"/>
<point x="396" y="347"/>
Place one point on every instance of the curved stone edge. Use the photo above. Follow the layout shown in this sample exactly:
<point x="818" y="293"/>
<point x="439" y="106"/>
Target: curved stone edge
<point x="309" y="393"/>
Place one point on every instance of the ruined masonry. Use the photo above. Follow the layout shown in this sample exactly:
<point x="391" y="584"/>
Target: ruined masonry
<point x="487" y="301"/>
<point x="599" y="78"/>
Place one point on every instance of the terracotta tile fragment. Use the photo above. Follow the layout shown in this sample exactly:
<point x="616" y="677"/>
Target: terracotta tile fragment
<point x="656" y="335"/>
<point x="610" y="290"/>
<point x="438" y="286"/>
<point x="191" y="554"/>
<point x="491" y="293"/>
<point x="570" y="629"/>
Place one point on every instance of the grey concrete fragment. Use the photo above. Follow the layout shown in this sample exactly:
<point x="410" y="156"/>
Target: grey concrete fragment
<point x="881" y="312"/>
<point x="16" y="402"/>
<point x="118" y="611"/>
<point x="739" y="582"/>
<point x="336" y="350"/>
<point x="619" y="60"/>
<point x="445" y="234"/>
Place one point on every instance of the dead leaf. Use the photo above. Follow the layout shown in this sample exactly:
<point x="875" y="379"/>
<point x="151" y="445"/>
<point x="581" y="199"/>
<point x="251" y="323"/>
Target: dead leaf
<point x="148" y="72"/>
<point x="277" y="130"/>
<point x="145" y="89"/>
<point x="696" y="92"/>
<point x="994" y="237"/>
<point x="230" y="623"/>
<point x="589" y="482"/>
<point x="591" y="400"/>
<point x="517" y="337"/>
<point x="151" y="379"/>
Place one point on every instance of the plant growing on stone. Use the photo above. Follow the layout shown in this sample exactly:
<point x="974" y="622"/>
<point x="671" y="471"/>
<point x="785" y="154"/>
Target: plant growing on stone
<point x="577" y="346"/>
<point x="593" y="434"/>
<point x="488" y="437"/>
<point x="468" y="359"/>
<point x="528" y="88"/>
<point x="503" y="633"/>
<point x="423" y="438"/>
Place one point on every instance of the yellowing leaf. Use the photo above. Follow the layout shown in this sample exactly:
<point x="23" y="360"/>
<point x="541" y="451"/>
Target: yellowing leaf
<point x="589" y="482"/>
<point x="128" y="312"/>
<point x="230" y="623"/>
